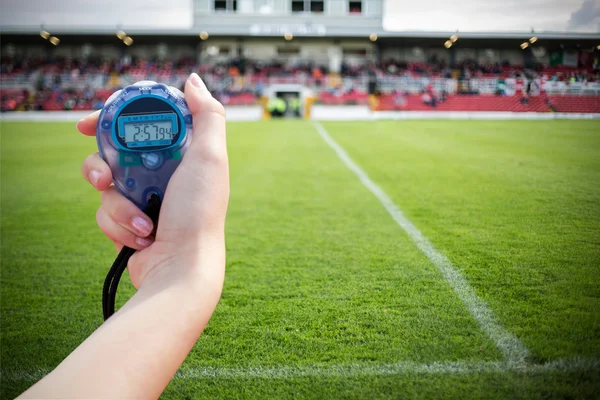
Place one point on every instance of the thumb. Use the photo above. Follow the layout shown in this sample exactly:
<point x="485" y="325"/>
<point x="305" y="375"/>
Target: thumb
<point x="208" y="119"/>
<point x="200" y="184"/>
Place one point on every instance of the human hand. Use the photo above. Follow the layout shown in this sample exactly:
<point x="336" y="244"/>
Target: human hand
<point x="192" y="217"/>
<point x="179" y="272"/>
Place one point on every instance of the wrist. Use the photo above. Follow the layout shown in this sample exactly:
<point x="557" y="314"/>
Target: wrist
<point x="196" y="267"/>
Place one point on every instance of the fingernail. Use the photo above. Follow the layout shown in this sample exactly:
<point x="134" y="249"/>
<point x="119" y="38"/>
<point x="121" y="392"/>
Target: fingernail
<point x="141" y="225"/>
<point x="196" y="81"/>
<point x="143" y="242"/>
<point x="95" y="177"/>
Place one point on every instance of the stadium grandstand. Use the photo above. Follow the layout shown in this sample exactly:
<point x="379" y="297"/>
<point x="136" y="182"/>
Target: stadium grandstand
<point x="335" y="52"/>
<point x="398" y="200"/>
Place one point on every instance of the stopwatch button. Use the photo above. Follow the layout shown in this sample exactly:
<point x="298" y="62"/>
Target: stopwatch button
<point x="130" y="183"/>
<point x="112" y="97"/>
<point x="152" y="161"/>
<point x="176" y="91"/>
<point x="144" y="83"/>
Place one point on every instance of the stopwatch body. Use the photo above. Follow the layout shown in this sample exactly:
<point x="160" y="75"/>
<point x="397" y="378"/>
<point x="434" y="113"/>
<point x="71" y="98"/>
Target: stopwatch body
<point x="143" y="132"/>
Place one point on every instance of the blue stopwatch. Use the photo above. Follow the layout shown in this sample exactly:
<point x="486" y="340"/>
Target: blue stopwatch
<point x="143" y="132"/>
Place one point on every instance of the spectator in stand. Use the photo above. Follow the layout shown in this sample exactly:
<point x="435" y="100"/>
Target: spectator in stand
<point x="317" y="75"/>
<point x="399" y="100"/>
<point x="69" y="104"/>
<point x="12" y="100"/>
<point x="259" y="88"/>
<point x="234" y="71"/>
<point x="431" y="93"/>
<point x="426" y="98"/>
<point x="10" y="105"/>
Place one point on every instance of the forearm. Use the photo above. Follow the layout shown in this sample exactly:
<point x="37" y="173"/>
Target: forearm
<point x="138" y="350"/>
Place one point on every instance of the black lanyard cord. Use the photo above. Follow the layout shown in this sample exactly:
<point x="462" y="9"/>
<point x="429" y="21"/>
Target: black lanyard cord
<point x="109" y="291"/>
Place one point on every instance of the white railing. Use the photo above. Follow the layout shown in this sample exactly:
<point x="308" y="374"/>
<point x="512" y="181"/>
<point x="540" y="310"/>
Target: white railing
<point x="17" y="81"/>
<point x="168" y="79"/>
<point x="589" y="88"/>
<point x="409" y="84"/>
<point x="511" y="86"/>
<point x="64" y="80"/>
<point x="386" y="84"/>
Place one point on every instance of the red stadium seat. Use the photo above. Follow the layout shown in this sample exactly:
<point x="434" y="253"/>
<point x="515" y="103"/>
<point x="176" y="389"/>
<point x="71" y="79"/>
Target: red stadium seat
<point x="569" y="104"/>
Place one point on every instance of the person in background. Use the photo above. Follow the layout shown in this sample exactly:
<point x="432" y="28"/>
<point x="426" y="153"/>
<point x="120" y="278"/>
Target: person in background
<point x="295" y="105"/>
<point x="426" y="98"/>
<point x="259" y="88"/>
<point x="276" y="107"/>
<point x="431" y="93"/>
<point x="69" y="103"/>
<point x="399" y="100"/>
<point x="317" y="75"/>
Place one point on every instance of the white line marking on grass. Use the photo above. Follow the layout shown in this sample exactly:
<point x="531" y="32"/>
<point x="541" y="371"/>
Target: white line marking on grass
<point x="509" y="345"/>
<point x="360" y="369"/>
<point x="401" y="368"/>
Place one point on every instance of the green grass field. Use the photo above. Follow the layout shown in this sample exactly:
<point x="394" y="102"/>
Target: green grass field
<point x="325" y="295"/>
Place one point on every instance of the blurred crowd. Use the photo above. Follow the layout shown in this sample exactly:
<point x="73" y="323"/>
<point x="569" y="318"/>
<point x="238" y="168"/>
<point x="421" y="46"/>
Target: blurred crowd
<point x="471" y="69"/>
<point x="72" y="84"/>
<point x="240" y="66"/>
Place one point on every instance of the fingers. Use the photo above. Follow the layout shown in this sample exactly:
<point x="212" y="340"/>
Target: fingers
<point x="87" y="125"/>
<point x="119" y="234"/>
<point x="124" y="213"/>
<point x="97" y="172"/>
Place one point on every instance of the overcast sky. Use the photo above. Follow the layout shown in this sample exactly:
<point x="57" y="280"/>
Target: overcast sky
<point x="494" y="15"/>
<point x="419" y="15"/>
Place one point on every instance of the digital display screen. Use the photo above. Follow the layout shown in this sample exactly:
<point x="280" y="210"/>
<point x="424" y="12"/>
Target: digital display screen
<point x="143" y="131"/>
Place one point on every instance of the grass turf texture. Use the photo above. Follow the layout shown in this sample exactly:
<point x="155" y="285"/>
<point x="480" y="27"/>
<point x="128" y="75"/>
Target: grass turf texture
<point x="318" y="274"/>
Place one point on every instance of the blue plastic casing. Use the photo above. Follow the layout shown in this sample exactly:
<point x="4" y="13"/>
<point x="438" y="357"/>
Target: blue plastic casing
<point x="140" y="171"/>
